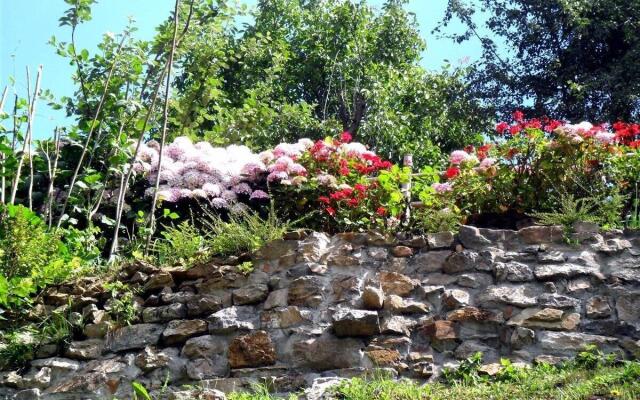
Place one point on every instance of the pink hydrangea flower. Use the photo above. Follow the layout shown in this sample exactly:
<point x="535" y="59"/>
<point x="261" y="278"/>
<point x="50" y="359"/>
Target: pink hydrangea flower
<point x="259" y="195"/>
<point x="218" y="202"/>
<point x="212" y="189"/>
<point x="605" y="137"/>
<point x="487" y="162"/>
<point x="458" y="156"/>
<point x="242" y="188"/>
<point x="442" y="187"/>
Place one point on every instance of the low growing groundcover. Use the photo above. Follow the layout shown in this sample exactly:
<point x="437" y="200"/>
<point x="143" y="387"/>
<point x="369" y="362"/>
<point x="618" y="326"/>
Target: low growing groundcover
<point x="587" y="382"/>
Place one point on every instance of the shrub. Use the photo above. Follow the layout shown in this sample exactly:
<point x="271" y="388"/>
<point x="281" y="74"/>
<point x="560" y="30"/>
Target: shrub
<point x="182" y="244"/>
<point x="30" y="256"/>
<point x="536" y="165"/>
<point x="244" y="231"/>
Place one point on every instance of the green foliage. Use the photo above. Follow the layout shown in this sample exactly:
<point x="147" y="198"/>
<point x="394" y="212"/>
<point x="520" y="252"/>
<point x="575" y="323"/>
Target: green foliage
<point x="246" y="267"/>
<point x="17" y="347"/>
<point x="244" y="231"/>
<point x="182" y="244"/>
<point x="466" y="372"/>
<point x="593" y="357"/>
<point x="571" y="210"/>
<point x="122" y="307"/>
<point x="139" y="391"/>
<point x="546" y="68"/>
<point x="308" y="69"/>
<point x="571" y="382"/>
<point x="30" y="256"/>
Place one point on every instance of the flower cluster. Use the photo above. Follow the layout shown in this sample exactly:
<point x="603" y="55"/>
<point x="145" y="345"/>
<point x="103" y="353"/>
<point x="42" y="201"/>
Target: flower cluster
<point x="539" y="156"/>
<point x="220" y="174"/>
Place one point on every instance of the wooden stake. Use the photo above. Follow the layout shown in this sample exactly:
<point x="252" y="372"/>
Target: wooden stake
<point x="163" y="139"/>
<point x="30" y="116"/>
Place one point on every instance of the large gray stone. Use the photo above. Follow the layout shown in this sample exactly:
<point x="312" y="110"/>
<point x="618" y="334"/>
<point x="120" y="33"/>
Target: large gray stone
<point x="517" y="295"/>
<point x="567" y="270"/>
<point x="571" y="342"/>
<point x="134" y="337"/>
<point x="348" y="322"/>
<point x="250" y="294"/>
<point x="179" y="331"/>
<point x="306" y="291"/>
<point x="462" y="261"/>
<point x="513" y="271"/>
<point x="234" y="318"/>
<point x="327" y="352"/>
<point x="164" y="313"/>
<point x="85" y="349"/>
<point x="204" y="347"/>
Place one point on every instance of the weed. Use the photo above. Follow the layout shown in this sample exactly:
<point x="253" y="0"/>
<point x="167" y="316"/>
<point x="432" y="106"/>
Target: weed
<point x="182" y="244"/>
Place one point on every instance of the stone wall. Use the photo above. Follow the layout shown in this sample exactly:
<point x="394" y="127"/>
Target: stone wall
<point x="318" y="307"/>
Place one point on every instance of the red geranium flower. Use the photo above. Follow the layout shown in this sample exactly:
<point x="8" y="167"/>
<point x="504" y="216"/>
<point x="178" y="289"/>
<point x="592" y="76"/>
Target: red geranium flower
<point x="353" y="202"/>
<point x="452" y="172"/>
<point x="515" y="129"/>
<point x="550" y="126"/>
<point x="518" y="116"/>
<point x="360" y="187"/>
<point x="324" y="199"/>
<point x="381" y="211"/>
<point x="502" y="127"/>
<point x="346" y="137"/>
<point x="483" y="151"/>
<point x="331" y="211"/>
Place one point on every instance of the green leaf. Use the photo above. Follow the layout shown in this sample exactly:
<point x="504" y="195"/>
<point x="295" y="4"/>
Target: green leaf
<point x="140" y="390"/>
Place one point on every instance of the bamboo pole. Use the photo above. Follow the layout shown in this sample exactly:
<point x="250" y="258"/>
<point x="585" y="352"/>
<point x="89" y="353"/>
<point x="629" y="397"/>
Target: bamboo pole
<point x="3" y="157"/>
<point x="163" y="139"/>
<point x="87" y="141"/>
<point x="26" y="141"/>
<point x="124" y="183"/>
<point x="405" y="187"/>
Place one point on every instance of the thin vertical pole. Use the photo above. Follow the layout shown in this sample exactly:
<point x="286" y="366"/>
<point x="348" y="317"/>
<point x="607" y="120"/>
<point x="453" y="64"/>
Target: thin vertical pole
<point x="405" y="187"/>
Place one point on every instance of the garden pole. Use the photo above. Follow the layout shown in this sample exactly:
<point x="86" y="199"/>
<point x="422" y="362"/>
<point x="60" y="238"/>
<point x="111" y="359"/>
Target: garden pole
<point x="405" y="188"/>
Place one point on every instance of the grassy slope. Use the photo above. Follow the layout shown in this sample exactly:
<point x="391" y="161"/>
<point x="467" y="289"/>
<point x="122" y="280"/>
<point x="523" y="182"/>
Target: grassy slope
<point x="619" y="382"/>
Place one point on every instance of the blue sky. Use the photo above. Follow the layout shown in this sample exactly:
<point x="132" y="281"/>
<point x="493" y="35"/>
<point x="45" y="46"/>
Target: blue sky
<point x="27" y="25"/>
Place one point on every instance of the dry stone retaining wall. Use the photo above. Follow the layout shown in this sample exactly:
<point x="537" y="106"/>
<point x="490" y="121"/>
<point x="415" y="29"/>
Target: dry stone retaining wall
<point x="320" y="306"/>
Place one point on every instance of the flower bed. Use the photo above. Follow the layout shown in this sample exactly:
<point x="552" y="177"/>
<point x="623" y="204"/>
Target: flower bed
<point x="534" y="167"/>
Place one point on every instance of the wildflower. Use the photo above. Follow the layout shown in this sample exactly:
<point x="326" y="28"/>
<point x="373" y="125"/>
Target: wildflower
<point x="381" y="211"/>
<point x="218" y="202"/>
<point x="298" y="180"/>
<point x="241" y="188"/>
<point x="515" y="129"/>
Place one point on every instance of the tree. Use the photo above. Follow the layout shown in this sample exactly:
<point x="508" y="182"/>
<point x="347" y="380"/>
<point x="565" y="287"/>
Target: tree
<point x="577" y="59"/>
<point x="313" y="68"/>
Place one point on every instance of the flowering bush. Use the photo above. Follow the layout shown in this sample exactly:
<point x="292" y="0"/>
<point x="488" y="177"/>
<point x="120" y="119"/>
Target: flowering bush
<point x="221" y="175"/>
<point x="534" y="166"/>
<point x="535" y="163"/>
<point x="330" y="178"/>
<point x="337" y="178"/>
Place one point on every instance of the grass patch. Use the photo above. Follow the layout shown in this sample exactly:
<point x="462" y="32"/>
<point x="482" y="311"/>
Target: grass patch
<point x="572" y="382"/>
